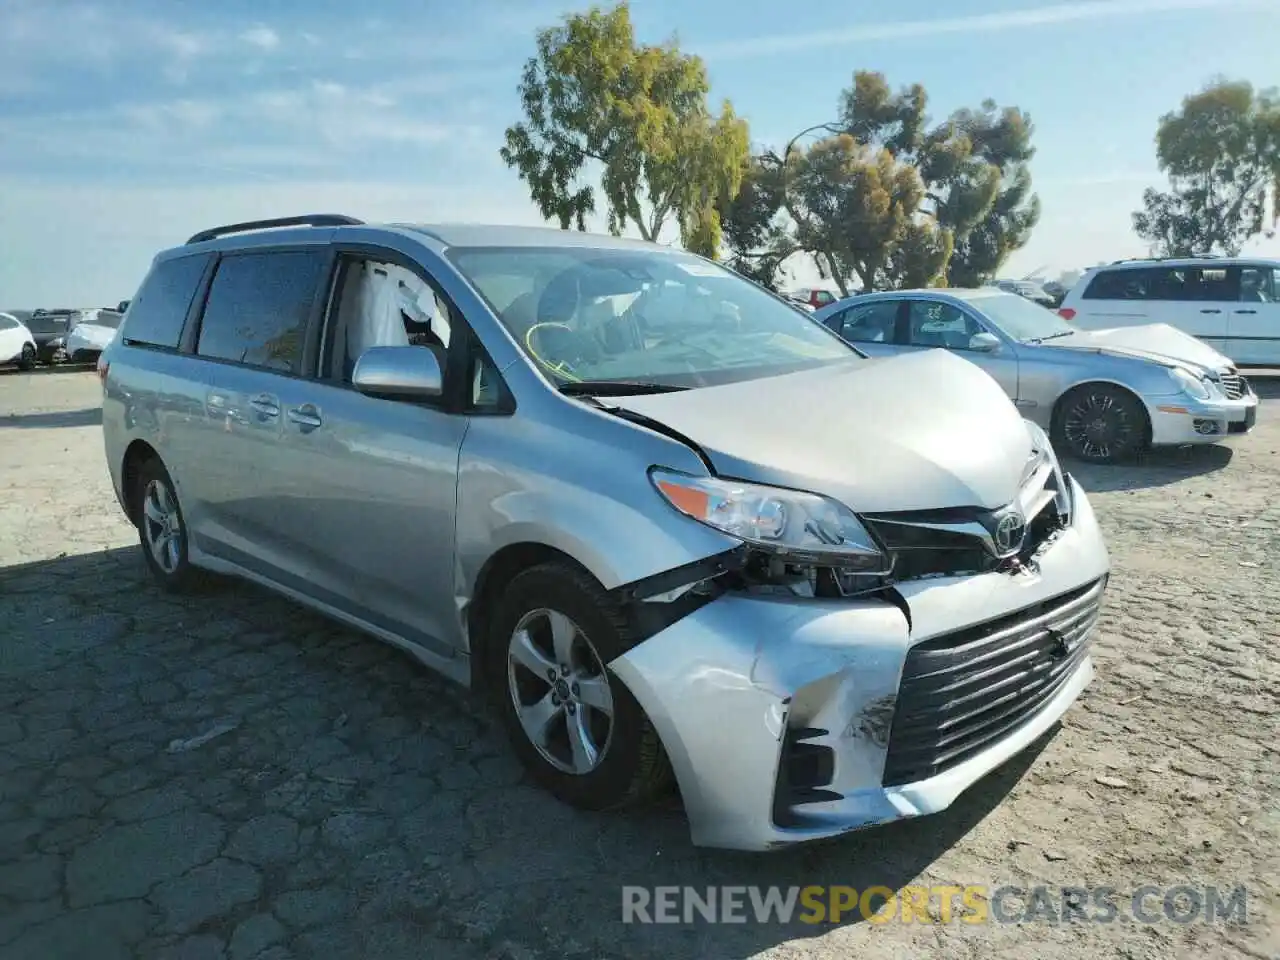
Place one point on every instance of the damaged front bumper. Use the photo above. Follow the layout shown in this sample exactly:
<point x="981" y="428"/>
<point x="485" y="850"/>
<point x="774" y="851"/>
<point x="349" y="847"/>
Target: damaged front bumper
<point x="790" y="719"/>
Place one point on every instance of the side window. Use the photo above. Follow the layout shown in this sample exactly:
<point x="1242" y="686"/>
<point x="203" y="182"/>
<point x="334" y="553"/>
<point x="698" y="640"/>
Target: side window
<point x="1259" y="284"/>
<point x="160" y="308"/>
<point x="381" y="304"/>
<point x="258" y="308"/>
<point x="936" y="324"/>
<point x="869" y="323"/>
<point x="1212" y="284"/>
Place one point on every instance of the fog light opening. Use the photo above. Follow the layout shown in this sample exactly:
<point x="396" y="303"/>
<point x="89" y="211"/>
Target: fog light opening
<point x="1205" y="427"/>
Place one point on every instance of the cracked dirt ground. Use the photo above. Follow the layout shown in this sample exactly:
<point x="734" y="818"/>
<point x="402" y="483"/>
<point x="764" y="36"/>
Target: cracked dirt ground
<point x="232" y="776"/>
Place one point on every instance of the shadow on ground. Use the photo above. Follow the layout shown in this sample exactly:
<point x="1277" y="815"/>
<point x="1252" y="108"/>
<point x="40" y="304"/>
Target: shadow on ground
<point x="88" y="417"/>
<point x="438" y="831"/>
<point x="1155" y="468"/>
<point x="45" y="369"/>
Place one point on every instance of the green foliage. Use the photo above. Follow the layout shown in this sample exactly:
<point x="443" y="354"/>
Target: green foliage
<point x="638" y="113"/>
<point x="974" y="166"/>
<point x="852" y="204"/>
<point x="890" y="199"/>
<point x="1221" y="151"/>
<point x="756" y="239"/>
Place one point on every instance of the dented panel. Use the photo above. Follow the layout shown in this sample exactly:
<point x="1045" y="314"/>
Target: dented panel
<point x="736" y="684"/>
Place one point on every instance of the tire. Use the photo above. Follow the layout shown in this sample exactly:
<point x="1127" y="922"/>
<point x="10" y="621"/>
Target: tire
<point x="155" y="502"/>
<point x="28" y="358"/>
<point x="631" y="767"/>
<point x="1101" y="423"/>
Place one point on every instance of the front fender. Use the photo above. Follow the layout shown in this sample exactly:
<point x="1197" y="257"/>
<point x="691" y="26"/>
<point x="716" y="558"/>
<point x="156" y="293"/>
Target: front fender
<point x="581" y="486"/>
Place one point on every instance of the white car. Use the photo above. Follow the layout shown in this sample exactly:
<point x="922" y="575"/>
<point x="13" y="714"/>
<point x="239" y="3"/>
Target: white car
<point x="17" y="345"/>
<point x="91" y="334"/>
<point x="1232" y="304"/>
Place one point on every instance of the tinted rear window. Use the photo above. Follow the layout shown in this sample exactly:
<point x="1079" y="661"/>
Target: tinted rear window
<point x="258" y="308"/>
<point x="158" y="312"/>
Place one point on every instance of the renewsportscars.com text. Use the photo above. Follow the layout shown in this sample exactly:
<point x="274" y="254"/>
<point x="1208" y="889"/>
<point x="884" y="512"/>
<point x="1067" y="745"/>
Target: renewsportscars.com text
<point x="972" y="904"/>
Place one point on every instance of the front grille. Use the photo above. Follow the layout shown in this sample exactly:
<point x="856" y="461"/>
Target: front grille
<point x="955" y="541"/>
<point x="964" y="690"/>
<point x="1232" y="385"/>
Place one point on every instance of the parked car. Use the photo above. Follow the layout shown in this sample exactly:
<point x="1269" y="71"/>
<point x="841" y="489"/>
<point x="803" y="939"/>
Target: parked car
<point x="50" y="329"/>
<point x="1232" y="304"/>
<point x="814" y="299"/>
<point x="1103" y="395"/>
<point x="1029" y="289"/>
<point x="720" y="556"/>
<point x="16" y="343"/>
<point x="91" y="331"/>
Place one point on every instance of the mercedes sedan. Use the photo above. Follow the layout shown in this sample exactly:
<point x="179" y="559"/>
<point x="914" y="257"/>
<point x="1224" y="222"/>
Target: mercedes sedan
<point x="1103" y="395"/>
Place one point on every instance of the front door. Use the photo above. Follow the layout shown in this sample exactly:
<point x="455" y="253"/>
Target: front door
<point x="375" y="480"/>
<point x="933" y="324"/>
<point x="1253" y="325"/>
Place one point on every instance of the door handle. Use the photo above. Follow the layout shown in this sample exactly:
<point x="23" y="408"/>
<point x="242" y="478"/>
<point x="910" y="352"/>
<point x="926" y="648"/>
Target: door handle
<point x="1246" y="311"/>
<point x="266" y="405"/>
<point x="1210" y="311"/>
<point x="306" y="415"/>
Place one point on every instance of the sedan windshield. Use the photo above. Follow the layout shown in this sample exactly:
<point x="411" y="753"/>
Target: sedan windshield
<point x="1021" y="319"/>
<point x="643" y="319"/>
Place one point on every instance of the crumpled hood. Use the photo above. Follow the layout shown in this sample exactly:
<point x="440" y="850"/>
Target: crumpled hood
<point x="90" y="336"/>
<point x="912" y="432"/>
<point x="1157" y="342"/>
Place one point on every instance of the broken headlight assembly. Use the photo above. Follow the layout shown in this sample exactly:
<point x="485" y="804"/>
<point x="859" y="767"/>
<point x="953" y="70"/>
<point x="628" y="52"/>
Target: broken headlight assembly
<point x="803" y="543"/>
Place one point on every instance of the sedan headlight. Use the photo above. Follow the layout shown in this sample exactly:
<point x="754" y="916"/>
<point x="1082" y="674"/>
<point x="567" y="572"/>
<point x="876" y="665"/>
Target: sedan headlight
<point x="797" y="526"/>
<point x="1190" y="384"/>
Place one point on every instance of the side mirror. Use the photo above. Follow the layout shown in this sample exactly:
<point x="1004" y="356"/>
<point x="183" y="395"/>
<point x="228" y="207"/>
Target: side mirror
<point x="399" y="373"/>
<point x="984" y="342"/>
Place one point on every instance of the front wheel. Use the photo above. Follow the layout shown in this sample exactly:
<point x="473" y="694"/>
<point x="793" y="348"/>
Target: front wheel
<point x="575" y="727"/>
<point x="1100" y="423"/>
<point x="28" y="358"/>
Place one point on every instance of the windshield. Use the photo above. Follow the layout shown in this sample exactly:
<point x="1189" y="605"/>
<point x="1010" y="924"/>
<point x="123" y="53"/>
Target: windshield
<point x="653" y="318"/>
<point x="1020" y="318"/>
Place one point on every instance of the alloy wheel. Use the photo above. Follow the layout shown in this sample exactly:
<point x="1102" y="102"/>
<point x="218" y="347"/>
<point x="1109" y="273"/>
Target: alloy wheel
<point x="162" y="525"/>
<point x="1098" y="427"/>
<point x="560" y="691"/>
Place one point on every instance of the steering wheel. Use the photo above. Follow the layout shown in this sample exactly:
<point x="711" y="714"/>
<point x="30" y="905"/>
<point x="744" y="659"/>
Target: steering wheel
<point x="560" y="341"/>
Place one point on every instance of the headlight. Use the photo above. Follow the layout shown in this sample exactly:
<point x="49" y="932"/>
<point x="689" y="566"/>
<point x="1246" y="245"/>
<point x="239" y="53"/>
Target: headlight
<point x="1191" y="385"/>
<point x="801" y="527"/>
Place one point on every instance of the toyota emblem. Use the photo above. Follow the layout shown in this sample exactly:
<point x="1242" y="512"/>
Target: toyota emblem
<point x="1010" y="531"/>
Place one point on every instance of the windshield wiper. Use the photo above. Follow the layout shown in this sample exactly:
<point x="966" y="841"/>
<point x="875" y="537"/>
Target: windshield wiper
<point x="1051" y="336"/>
<point x="616" y="388"/>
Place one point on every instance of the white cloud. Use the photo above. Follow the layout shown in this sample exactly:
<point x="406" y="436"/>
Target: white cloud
<point x="262" y="37"/>
<point x="1058" y="14"/>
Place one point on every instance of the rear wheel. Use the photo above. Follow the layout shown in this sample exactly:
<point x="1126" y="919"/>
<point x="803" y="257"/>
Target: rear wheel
<point x="1101" y="423"/>
<point x="162" y="529"/>
<point x="575" y="727"/>
<point x="28" y="358"/>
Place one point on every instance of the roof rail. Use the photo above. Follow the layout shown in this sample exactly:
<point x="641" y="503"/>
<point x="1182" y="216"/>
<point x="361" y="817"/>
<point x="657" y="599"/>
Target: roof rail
<point x="1194" y="256"/>
<point x="306" y="220"/>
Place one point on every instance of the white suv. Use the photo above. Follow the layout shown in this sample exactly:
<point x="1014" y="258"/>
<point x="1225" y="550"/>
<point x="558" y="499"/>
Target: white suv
<point x="1233" y="304"/>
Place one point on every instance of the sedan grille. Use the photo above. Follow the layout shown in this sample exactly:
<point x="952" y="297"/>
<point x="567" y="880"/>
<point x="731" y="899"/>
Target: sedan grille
<point x="1233" y="385"/>
<point x="962" y="691"/>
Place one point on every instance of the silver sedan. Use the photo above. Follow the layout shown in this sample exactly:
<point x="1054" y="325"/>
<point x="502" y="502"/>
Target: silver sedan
<point x="1103" y="395"/>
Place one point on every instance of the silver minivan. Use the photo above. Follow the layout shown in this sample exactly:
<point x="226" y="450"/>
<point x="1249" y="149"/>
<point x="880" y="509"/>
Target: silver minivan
<point x="675" y="528"/>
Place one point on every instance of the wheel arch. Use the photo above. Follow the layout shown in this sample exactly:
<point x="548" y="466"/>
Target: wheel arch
<point x="506" y="564"/>
<point x="135" y="455"/>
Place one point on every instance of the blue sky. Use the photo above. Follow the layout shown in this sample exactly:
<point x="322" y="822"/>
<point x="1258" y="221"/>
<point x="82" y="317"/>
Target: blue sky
<point x="126" y="125"/>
